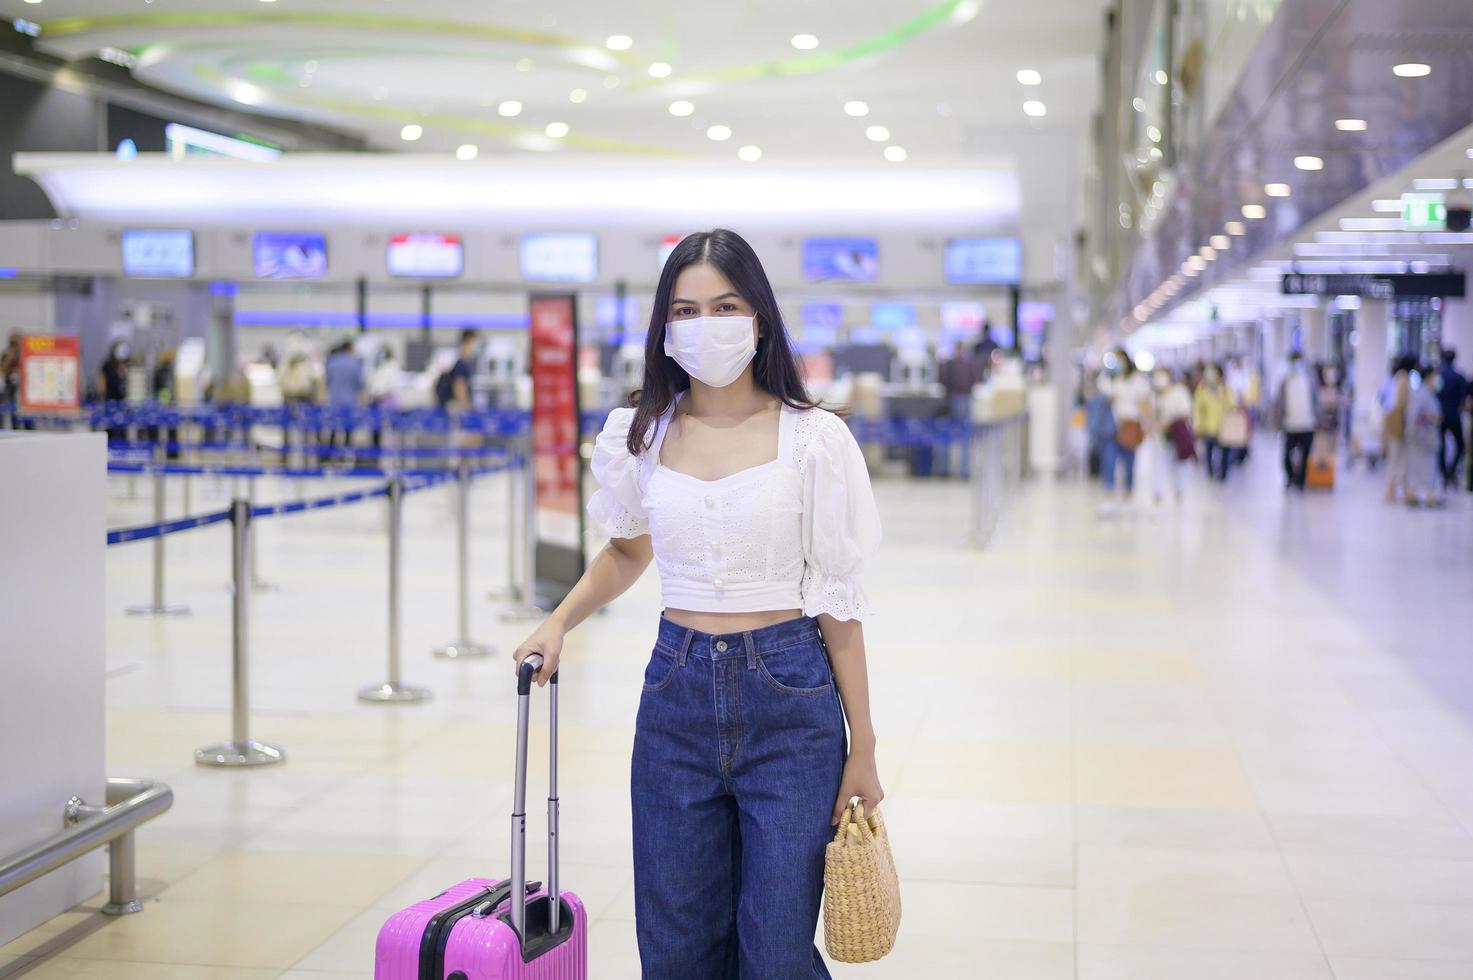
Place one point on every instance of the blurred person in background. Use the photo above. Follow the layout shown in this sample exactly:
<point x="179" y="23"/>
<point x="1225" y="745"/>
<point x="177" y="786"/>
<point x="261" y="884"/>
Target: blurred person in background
<point x="382" y="381"/>
<point x="10" y="379"/>
<point x="112" y="383"/>
<point x="1210" y="405"/>
<point x="1175" y="448"/>
<point x="1423" y="440"/>
<point x="958" y="374"/>
<point x="1452" y="393"/>
<point x="1130" y="404"/>
<point x="1298" y="414"/>
<point x="1099" y="423"/>
<point x="1395" y="396"/>
<point x="345" y="384"/>
<point x="453" y="388"/>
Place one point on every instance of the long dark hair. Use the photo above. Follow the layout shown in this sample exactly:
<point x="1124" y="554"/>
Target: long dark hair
<point x="774" y="369"/>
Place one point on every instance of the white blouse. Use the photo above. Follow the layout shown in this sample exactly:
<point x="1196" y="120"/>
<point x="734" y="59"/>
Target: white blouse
<point x="792" y="533"/>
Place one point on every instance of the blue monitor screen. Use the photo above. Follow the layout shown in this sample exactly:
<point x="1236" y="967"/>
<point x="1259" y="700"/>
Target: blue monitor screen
<point x="822" y="315"/>
<point x="892" y="316"/>
<point x="849" y="259"/>
<point x="984" y="261"/>
<point x="161" y="254"/>
<point x="560" y="256"/>
<point x="290" y="255"/>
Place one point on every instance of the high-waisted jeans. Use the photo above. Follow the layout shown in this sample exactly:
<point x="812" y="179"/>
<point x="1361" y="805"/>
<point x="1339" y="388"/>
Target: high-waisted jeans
<point x="739" y="747"/>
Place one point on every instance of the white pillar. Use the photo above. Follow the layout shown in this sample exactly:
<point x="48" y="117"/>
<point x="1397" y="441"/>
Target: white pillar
<point x="1315" y="324"/>
<point x="1457" y="330"/>
<point x="1372" y="331"/>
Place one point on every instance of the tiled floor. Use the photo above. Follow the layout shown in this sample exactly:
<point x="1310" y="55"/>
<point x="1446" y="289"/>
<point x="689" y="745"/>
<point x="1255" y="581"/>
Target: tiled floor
<point x="1232" y="741"/>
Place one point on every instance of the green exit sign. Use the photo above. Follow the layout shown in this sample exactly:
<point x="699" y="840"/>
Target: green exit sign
<point x="1423" y="212"/>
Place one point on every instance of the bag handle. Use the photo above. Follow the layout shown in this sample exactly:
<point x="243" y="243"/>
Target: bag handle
<point x="525" y="671"/>
<point x="853" y="824"/>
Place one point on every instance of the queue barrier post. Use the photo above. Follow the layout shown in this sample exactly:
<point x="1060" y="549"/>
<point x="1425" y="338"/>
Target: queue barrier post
<point x="394" y="690"/>
<point x="526" y="607"/>
<point x="241" y="751"/>
<point x="158" y="607"/>
<point x="463" y="647"/>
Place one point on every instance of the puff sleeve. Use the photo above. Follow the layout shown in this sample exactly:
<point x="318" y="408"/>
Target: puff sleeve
<point x="617" y="505"/>
<point x="841" y="525"/>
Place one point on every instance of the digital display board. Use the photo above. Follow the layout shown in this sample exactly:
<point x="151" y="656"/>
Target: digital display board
<point x="984" y="261"/>
<point x="892" y="315"/>
<point x="290" y="255"/>
<point x="560" y="256"/>
<point x="847" y="259"/>
<point x="821" y="314"/>
<point x="158" y="254"/>
<point x="426" y="255"/>
<point x="962" y="316"/>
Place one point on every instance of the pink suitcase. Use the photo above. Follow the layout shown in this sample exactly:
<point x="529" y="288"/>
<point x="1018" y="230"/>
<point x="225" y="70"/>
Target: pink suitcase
<point x="496" y="929"/>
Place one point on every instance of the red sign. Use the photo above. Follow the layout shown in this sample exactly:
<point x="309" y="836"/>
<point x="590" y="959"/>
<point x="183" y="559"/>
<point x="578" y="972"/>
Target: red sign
<point x="50" y="372"/>
<point x="555" y="431"/>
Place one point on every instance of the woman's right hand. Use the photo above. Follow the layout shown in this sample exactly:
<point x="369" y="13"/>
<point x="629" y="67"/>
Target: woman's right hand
<point x="546" y="640"/>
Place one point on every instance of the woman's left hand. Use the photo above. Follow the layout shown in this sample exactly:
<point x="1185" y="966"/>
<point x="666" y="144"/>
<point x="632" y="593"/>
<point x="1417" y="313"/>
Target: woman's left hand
<point x="861" y="779"/>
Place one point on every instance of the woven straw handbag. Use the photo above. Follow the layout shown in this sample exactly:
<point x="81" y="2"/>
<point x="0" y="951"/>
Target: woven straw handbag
<point x="861" y="902"/>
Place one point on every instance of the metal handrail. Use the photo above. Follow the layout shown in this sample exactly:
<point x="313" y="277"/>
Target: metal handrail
<point x="130" y="803"/>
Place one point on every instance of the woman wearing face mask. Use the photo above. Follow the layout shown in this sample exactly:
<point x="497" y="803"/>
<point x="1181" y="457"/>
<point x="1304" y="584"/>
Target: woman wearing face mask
<point x="757" y="510"/>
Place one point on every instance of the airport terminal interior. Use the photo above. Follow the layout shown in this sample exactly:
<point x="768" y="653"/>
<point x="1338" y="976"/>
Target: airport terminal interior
<point x="1145" y="322"/>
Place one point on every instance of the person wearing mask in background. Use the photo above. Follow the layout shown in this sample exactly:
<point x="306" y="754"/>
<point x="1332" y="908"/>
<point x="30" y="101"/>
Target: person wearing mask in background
<point x="1423" y="441"/>
<point x="1452" y="393"/>
<point x="1130" y="403"/>
<point x="1210" y="405"/>
<point x="1172" y="411"/>
<point x="1394" y="399"/>
<point x="344" y="390"/>
<point x="112" y="383"/>
<point x="1297" y="416"/>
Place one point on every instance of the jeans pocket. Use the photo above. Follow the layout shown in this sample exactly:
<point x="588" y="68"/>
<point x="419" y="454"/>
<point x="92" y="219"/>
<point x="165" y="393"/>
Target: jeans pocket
<point x="659" y="671"/>
<point x="801" y="671"/>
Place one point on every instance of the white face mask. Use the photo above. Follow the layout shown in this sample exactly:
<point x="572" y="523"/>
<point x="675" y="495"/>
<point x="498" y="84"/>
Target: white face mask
<point x="714" y="350"/>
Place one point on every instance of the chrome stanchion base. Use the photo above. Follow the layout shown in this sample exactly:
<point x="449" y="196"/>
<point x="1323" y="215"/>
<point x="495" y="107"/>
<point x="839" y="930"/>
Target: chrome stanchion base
<point x="231" y="755"/>
<point x="122" y="908"/>
<point x="521" y="613"/>
<point x="394" y="693"/>
<point x="465" y="650"/>
<point x="158" y="610"/>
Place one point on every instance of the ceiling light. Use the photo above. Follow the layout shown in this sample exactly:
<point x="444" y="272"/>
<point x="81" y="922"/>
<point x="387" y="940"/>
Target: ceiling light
<point x="896" y="154"/>
<point x="411" y="132"/>
<point x="1276" y="190"/>
<point x="966" y="11"/>
<point x="1027" y="76"/>
<point x="466" y="152"/>
<point x="1222" y="242"/>
<point x="619" y="42"/>
<point x="1255" y="211"/>
<point x="1350" y="125"/>
<point x="1237" y="228"/>
<point x="1411" y="69"/>
<point x="1160" y="76"/>
<point x="556" y="130"/>
<point x="1207" y="252"/>
<point x="750" y="153"/>
<point x="719" y="133"/>
<point x="578" y="95"/>
<point x="510" y="107"/>
<point x="524" y="64"/>
<point x="1309" y="163"/>
<point x="1154" y="133"/>
<point x="1035" y="108"/>
<point x="611" y="81"/>
<point x="805" y="42"/>
<point x="659" y="70"/>
<point x="33" y="1"/>
<point x="1138" y="103"/>
<point x="856" y="108"/>
<point x="681" y="108"/>
<point x="1196" y="262"/>
<point x="877" y="133"/>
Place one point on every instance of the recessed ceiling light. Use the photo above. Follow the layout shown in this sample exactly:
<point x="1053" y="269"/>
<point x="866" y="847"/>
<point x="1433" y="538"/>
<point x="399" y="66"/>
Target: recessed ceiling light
<point x="511" y="107"/>
<point x="805" y="42"/>
<point x="1350" y="125"/>
<point x="1035" y="108"/>
<point x="877" y="133"/>
<point x="611" y="81"/>
<point x="896" y="154"/>
<point x="681" y="108"/>
<point x="750" y="153"/>
<point x="1161" y="77"/>
<point x="556" y="130"/>
<point x="1138" y="104"/>
<point x="718" y="133"/>
<point x="1309" y="163"/>
<point x="1276" y="190"/>
<point x="1027" y="76"/>
<point x="411" y="132"/>
<point x="659" y="70"/>
<point x="524" y="64"/>
<point x="1222" y="242"/>
<point x="1411" y="69"/>
<point x="1207" y="252"/>
<point x="578" y="95"/>
<point x="1153" y="133"/>
<point x="467" y="151"/>
<point x="1237" y="228"/>
<point x="856" y="108"/>
<point x="619" y="42"/>
<point x="33" y="1"/>
<point x="1254" y="212"/>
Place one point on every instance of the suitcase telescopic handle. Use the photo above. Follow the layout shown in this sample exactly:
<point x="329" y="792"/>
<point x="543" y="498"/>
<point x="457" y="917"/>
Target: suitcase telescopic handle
<point x="525" y="671"/>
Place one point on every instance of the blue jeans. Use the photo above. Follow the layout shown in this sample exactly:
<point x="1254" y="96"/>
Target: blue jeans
<point x="1113" y="455"/>
<point x="739" y="747"/>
